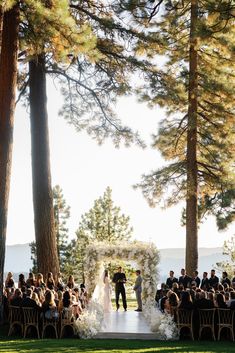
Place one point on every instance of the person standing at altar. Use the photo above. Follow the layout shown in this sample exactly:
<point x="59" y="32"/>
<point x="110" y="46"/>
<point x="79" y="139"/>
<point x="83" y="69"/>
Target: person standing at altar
<point x="119" y="279"/>
<point x="172" y="279"/>
<point x="138" y="290"/>
<point x="184" y="279"/>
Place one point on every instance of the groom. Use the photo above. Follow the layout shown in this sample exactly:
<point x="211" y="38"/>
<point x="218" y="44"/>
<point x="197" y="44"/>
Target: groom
<point x="119" y="279"/>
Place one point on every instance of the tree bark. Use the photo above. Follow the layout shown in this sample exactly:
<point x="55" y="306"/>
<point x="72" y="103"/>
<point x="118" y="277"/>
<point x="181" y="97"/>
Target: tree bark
<point x="47" y="258"/>
<point x="8" y="79"/>
<point x="192" y="172"/>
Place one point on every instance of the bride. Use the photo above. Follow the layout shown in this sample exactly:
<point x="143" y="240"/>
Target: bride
<point x="103" y="292"/>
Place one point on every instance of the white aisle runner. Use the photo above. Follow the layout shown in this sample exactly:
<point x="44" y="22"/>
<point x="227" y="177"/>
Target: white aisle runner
<point x="127" y="325"/>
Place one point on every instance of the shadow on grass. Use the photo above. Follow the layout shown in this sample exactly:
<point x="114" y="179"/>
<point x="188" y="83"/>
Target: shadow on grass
<point x="115" y="346"/>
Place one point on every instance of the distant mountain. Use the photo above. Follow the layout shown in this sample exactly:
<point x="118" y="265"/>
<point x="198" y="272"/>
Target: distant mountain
<point x="174" y="259"/>
<point x="18" y="259"/>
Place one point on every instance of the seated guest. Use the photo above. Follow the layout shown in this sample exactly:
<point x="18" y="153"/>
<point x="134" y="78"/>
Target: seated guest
<point x="173" y="301"/>
<point x="220" y="301"/>
<point x="203" y="302"/>
<point x="163" y="304"/>
<point x="31" y="280"/>
<point x="36" y="299"/>
<point x="49" y="306"/>
<point x="67" y="299"/>
<point x="160" y="292"/>
<point x="225" y="279"/>
<point x="211" y="297"/>
<point x="233" y="280"/>
<point x="17" y="298"/>
<point x="60" y="283"/>
<point x="21" y="281"/>
<point x="184" y="279"/>
<point x="40" y="292"/>
<point x="186" y="301"/>
<point x="231" y="301"/>
<point x="50" y="283"/>
<point x="213" y="280"/>
<point x="170" y="280"/>
<point x="71" y="283"/>
<point x="39" y="281"/>
<point x="196" y="279"/>
<point x="9" y="282"/>
<point x="83" y="297"/>
<point x="60" y="300"/>
<point x="205" y="282"/>
<point x="28" y="302"/>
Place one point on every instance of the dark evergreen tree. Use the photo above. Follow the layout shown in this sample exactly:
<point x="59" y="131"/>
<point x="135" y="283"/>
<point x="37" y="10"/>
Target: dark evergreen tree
<point x="103" y="222"/>
<point x="61" y="216"/>
<point x="196" y="88"/>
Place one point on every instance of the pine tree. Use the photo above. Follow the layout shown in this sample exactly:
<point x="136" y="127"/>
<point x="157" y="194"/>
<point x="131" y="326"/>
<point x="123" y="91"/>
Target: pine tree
<point x="196" y="89"/>
<point x="61" y="215"/>
<point x="103" y="222"/>
<point x="8" y="78"/>
<point x="92" y="71"/>
<point x="229" y="250"/>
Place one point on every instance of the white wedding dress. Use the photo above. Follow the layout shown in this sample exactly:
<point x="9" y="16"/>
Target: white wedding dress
<point x="103" y="293"/>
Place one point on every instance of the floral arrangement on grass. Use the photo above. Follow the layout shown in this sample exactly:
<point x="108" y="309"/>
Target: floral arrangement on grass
<point x="90" y="321"/>
<point x="161" y="323"/>
<point x="146" y="256"/>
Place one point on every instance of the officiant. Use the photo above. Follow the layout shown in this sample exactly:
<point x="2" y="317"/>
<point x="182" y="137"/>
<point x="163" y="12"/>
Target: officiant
<point x="119" y="279"/>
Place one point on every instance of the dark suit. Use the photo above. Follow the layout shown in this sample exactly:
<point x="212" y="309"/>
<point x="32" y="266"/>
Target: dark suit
<point x="205" y="283"/>
<point x="213" y="281"/>
<point x="170" y="281"/>
<point x="185" y="280"/>
<point x="16" y="301"/>
<point x="197" y="280"/>
<point x="119" y="279"/>
<point x="203" y="303"/>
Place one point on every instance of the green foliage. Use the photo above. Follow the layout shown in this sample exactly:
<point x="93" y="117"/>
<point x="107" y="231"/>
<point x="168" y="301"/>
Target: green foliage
<point x="215" y="114"/>
<point x="61" y="216"/>
<point x="103" y="222"/>
<point x="229" y="250"/>
<point x="33" y="257"/>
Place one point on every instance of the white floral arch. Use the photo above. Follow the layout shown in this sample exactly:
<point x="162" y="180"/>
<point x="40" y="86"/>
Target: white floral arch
<point x="145" y="255"/>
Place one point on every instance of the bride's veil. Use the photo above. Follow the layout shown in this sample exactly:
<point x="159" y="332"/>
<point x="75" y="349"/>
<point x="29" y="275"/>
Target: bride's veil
<point x="98" y="294"/>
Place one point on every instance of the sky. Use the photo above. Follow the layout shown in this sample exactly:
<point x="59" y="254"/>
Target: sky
<point x="84" y="170"/>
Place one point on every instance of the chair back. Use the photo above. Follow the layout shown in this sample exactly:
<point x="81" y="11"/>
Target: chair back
<point x="15" y="314"/>
<point x="206" y="317"/>
<point x="31" y="316"/>
<point x="66" y="316"/>
<point x="184" y="317"/>
<point x="225" y="317"/>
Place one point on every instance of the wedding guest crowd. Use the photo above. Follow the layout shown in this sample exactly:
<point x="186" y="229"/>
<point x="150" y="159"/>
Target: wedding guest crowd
<point x="194" y="292"/>
<point x="48" y="297"/>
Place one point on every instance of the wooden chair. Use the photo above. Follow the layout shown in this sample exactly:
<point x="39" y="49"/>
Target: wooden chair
<point x="225" y="320"/>
<point x="207" y="320"/>
<point x="184" y="318"/>
<point x="31" y="318"/>
<point x="51" y="321"/>
<point x="15" y="318"/>
<point x="66" y="319"/>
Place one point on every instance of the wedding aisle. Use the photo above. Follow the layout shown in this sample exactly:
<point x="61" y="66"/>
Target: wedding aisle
<point x="125" y="325"/>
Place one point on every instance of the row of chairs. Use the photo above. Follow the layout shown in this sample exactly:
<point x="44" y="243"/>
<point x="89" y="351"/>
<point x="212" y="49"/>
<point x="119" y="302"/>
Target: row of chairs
<point x="210" y="319"/>
<point x="29" y="317"/>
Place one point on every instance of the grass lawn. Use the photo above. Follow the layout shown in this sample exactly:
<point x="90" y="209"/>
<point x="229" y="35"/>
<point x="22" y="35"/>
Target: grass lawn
<point x="115" y="346"/>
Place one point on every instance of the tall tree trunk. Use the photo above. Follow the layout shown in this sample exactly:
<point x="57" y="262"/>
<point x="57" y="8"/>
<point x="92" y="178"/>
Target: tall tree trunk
<point x="8" y="79"/>
<point x="192" y="173"/>
<point x="47" y="258"/>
